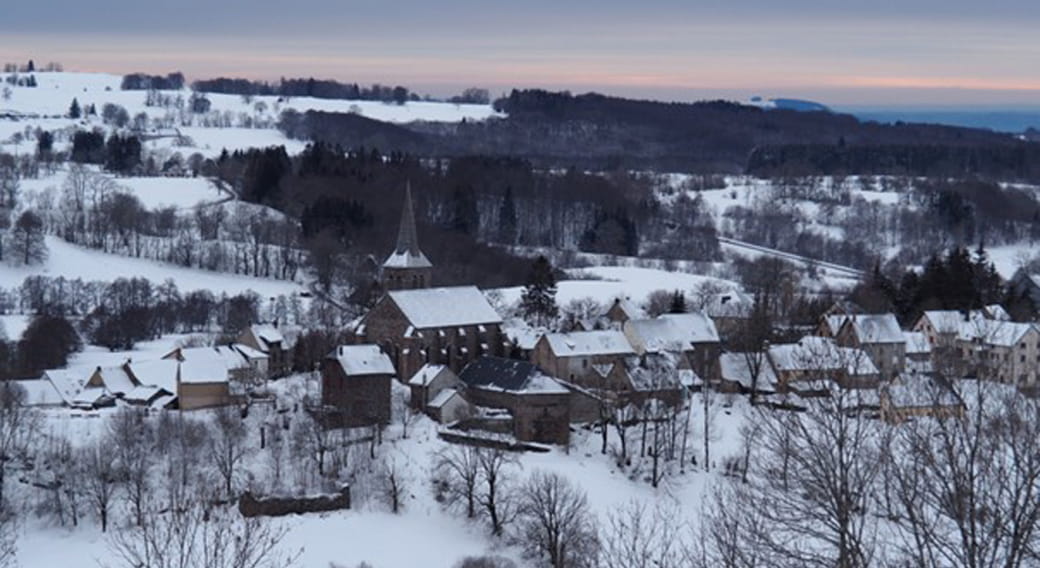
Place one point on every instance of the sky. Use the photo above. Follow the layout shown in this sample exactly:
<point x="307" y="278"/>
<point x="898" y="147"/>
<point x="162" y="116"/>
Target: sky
<point x="949" y="53"/>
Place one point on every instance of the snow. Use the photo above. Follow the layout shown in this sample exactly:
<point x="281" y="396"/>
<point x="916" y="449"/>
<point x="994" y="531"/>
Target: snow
<point x="407" y="260"/>
<point x="364" y="360"/>
<point x="819" y="354"/>
<point x="589" y="343"/>
<point x="612" y="282"/>
<point x="13" y="325"/>
<point x="71" y="261"/>
<point x="426" y="374"/>
<point x="874" y="328"/>
<point x="445" y="307"/>
<point x="672" y="332"/>
<point x="735" y="367"/>
<point x="916" y="343"/>
<point x="39" y="392"/>
<point x="204" y="366"/>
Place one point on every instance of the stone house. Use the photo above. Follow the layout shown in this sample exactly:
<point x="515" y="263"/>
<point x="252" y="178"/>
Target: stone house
<point x="539" y="405"/>
<point x="621" y="310"/>
<point x="449" y="406"/>
<point x="691" y="336"/>
<point x="737" y="373"/>
<point x="356" y="385"/>
<point x="1002" y="351"/>
<point x="202" y="382"/>
<point x="270" y="341"/>
<point x="730" y="311"/>
<point x="814" y="359"/>
<point x="429" y="381"/>
<point x="879" y="335"/>
<point x="906" y="398"/>
<point x="584" y="358"/>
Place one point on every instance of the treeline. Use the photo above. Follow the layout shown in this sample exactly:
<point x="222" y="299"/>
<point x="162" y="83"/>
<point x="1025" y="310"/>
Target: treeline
<point x="601" y="133"/>
<point x="1001" y="160"/>
<point x="353" y="200"/>
<point x="144" y="82"/>
<point x="958" y="280"/>
<point x="307" y="87"/>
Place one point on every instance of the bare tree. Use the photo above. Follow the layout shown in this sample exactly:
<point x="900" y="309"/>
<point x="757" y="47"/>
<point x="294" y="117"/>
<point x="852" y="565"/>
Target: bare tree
<point x="555" y="522"/>
<point x="394" y="484"/>
<point x="99" y="480"/>
<point x="458" y="468"/>
<point x="637" y="536"/>
<point x="493" y="496"/>
<point x="129" y="438"/>
<point x="18" y="424"/>
<point x="228" y="445"/>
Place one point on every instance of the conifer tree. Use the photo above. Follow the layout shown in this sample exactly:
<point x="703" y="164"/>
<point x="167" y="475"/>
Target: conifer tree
<point x="678" y="305"/>
<point x="538" y="300"/>
<point x="507" y="219"/>
<point x="74" y="111"/>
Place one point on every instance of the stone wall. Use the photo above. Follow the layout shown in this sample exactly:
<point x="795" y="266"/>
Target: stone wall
<point x="250" y="506"/>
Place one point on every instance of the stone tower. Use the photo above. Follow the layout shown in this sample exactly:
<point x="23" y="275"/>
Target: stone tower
<point x="407" y="267"/>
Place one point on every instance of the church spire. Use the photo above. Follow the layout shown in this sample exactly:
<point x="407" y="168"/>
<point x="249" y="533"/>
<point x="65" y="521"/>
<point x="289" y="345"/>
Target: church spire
<point x="407" y="267"/>
<point x="407" y="238"/>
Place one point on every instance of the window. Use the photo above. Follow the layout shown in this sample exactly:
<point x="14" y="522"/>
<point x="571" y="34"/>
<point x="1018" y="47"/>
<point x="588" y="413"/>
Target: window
<point x="584" y="363"/>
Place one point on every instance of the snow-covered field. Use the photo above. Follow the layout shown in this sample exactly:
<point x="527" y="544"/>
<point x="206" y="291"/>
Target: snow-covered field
<point x="153" y="192"/>
<point x="71" y="261"/>
<point x="612" y="282"/>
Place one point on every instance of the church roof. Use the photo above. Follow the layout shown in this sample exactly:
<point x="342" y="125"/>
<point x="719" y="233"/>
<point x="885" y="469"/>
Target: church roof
<point x="407" y="253"/>
<point x="444" y="307"/>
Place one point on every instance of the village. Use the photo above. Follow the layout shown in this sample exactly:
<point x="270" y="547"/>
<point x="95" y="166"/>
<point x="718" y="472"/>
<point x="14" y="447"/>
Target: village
<point x="461" y="368"/>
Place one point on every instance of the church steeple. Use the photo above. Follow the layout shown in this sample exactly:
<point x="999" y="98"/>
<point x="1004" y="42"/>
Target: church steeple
<point x="407" y="267"/>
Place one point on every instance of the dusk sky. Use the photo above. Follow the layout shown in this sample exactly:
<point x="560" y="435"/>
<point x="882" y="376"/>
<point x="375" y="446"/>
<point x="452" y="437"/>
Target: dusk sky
<point x="882" y="52"/>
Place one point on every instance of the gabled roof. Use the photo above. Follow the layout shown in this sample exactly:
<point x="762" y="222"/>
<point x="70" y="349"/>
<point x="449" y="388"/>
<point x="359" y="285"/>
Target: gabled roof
<point x="733" y="304"/>
<point x="948" y="321"/>
<point x="875" y="328"/>
<point x="589" y="343"/>
<point x="39" y="392"/>
<point x="426" y="374"/>
<point x="360" y="360"/>
<point x="116" y="380"/>
<point x="993" y="332"/>
<point x="512" y="375"/>
<point x="820" y="354"/>
<point x="161" y="373"/>
<point x="443" y="397"/>
<point x="737" y="368"/>
<point x="653" y="372"/>
<point x="268" y="333"/>
<point x="69" y="382"/>
<point x="444" y="307"/>
<point x="626" y="306"/>
<point x="205" y="366"/>
<point x="674" y="332"/>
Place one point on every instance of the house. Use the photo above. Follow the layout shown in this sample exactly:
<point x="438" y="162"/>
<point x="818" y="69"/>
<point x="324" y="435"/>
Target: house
<point x="448" y="406"/>
<point x="652" y="377"/>
<point x="428" y="382"/>
<point x="918" y="353"/>
<point x="157" y="383"/>
<point x="941" y="327"/>
<point x="622" y="310"/>
<point x="692" y="336"/>
<point x="746" y="372"/>
<point x="1025" y="284"/>
<point x="202" y="382"/>
<point x="582" y="357"/>
<point x="538" y="404"/>
<point x="355" y="386"/>
<point x="730" y="311"/>
<point x="908" y="397"/>
<point x="244" y="364"/>
<point x="815" y="358"/>
<point x="879" y="335"/>
<point x="447" y="326"/>
<point x="270" y="341"/>
<point x="1002" y="351"/>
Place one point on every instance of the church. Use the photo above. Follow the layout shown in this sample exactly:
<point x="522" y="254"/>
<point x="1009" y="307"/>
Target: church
<point x="415" y="323"/>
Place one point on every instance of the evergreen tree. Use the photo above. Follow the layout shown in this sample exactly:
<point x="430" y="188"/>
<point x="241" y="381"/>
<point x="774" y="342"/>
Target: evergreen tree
<point x="507" y="232"/>
<point x="74" y="111"/>
<point x="538" y="300"/>
<point x="31" y="66"/>
<point x="678" y="305"/>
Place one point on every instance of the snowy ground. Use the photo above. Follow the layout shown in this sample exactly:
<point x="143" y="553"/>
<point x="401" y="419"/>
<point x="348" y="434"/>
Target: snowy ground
<point x="71" y="261"/>
<point x="424" y="534"/>
<point x="153" y="192"/>
<point x="620" y="281"/>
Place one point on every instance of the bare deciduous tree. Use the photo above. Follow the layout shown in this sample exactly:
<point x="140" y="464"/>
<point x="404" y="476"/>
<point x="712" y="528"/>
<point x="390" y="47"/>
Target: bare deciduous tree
<point x="555" y="522"/>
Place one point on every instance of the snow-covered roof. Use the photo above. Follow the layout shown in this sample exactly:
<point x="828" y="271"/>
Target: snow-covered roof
<point x="994" y="332"/>
<point x="442" y="398"/>
<point x="268" y="333"/>
<point x="39" y="392"/>
<point x="445" y="307"/>
<point x="948" y="321"/>
<point x="920" y="392"/>
<point x="205" y="366"/>
<point x="916" y="343"/>
<point x="511" y="375"/>
<point x="69" y="382"/>
<point x="406" y="259"/>
<point x="674" y="332"/>
<point x="249" y="353"/>
<point x="88" y="396"/>
<point x="820" y="354"/>
<point x="116" y="380"/>
<point x="997" y="312"/>
<point x="161" y="373"/>
<point x="875" y="328"/>
<point x="653" y="373"/>
<point x="358" y="360"/>
<point x="737" y="367"/>
<point x="630" y="310"/>
<point x="425" y="374"/>
<point x="589" y="343"/>
<point x="144" y="394"/>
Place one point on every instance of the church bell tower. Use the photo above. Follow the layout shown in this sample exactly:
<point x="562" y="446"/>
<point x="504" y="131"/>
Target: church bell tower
<point x="407" y="268"/>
